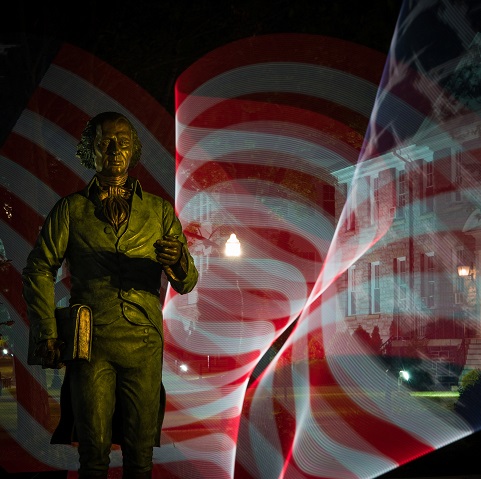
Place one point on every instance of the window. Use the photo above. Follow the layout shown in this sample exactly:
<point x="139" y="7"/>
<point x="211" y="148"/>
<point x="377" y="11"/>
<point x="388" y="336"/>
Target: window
<point x="202" y="262"/>
<point x="351" y="291"/>
<point x="369" y="200"/>
<point x="401" y="193"/>
<point x="201" y="207"/>
<point x="427" y="187"/>
<point x="457" y="177"/>
<point x="350" y="215"/>
<point x="427" y="279"/>
<point x="400" y="284"/>
<point x="329" y="199"/>
<point x="375" y="200"/>
<point x="459" y="282"/>
<point x="375" y="287"/>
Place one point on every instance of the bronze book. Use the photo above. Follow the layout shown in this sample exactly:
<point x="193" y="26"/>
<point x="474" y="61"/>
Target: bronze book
<point x="74" y="328"/>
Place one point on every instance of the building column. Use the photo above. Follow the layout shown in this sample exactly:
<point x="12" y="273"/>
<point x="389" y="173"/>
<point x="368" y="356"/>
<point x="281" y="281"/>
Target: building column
<point x="477" y="279"/>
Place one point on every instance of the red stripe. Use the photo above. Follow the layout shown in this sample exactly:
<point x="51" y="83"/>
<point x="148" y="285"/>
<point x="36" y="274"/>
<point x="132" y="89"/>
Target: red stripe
<point x="194" y="468"/>
<point x="11" y="287"/>
<point x="32" y="396"/>
<point x="149" y="183"/>
<point x="330" y="52"/>
<point x="24" y="220"/>
<point x="328" y="118"/>
<point x="15" y="459"/>
<point x="59" y="111"/>
<point x="42" y="165"/>
<point x="227" y="168"/>
<point x="26" y="223"/>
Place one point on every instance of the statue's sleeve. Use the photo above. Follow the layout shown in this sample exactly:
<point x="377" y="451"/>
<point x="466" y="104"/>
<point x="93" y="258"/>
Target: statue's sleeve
<point x="40" y="272"/>
<point x="183" y="275"/>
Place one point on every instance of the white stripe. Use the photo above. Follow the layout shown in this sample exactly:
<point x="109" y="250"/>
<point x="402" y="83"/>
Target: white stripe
<point x="213" y="144"/>
<point x="55" y="140"/>
<point x="28" y="187"/>
<point x="215" y="448"/>
<point x="35" y="439"/>
<point x="318" y="81"/>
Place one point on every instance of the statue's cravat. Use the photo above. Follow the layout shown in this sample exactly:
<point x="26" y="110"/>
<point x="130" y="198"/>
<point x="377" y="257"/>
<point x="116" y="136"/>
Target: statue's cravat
<point x="114" y="196"/>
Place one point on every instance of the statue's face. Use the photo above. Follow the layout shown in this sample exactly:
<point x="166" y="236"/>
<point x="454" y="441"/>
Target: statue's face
<point x="113" y="147"/>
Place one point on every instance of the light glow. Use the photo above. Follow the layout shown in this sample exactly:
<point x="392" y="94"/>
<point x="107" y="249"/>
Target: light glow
<point x="232" y="246"/>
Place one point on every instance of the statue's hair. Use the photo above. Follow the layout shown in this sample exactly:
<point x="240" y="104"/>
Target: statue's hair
<point x="85" y="147"/>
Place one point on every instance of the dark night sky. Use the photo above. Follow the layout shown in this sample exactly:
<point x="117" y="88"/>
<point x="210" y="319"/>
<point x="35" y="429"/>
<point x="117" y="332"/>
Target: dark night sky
<point x="153" y="42"/>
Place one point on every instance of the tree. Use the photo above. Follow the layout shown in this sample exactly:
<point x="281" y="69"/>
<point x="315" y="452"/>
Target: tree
<point x="376" y="341"/>
<point x="362" y="335"/>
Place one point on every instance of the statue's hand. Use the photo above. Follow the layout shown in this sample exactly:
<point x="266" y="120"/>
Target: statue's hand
<point x="168" y="250"/>
<point x="50" y="351"/>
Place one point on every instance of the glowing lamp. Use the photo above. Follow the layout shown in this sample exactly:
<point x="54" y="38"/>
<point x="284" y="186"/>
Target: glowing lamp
<point x="404" y="375"/>
<point x="232" y="246"/>
<point x="464" y="271"/>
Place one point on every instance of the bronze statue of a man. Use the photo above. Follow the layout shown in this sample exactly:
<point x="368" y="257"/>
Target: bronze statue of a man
<point x="116" y="240"/>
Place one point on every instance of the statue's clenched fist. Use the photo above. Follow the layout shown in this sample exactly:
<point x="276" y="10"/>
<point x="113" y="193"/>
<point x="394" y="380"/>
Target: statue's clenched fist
<point x="50" y="351"/>
<point x="168" y="250"/>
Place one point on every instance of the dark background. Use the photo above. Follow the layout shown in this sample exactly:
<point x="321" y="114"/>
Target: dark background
<point x="153" y="42"/>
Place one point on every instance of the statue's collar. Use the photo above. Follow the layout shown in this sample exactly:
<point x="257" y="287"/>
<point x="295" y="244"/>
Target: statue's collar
<point x="131" y="183"/>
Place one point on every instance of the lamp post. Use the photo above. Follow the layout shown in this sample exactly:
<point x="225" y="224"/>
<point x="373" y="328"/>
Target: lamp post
<point x="467" y="291"/>
<point x="233" y="250"/>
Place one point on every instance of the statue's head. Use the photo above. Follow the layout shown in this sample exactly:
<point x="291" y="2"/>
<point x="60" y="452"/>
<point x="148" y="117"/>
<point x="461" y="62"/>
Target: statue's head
<point x="109" y="144"/>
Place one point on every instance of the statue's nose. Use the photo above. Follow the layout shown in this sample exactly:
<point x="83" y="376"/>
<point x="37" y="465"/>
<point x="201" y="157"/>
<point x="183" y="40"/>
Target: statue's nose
<point x="112" y="149"/>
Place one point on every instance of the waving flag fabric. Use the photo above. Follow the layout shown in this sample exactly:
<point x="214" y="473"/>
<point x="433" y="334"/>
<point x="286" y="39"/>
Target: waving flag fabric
<point x="292" y="143"/>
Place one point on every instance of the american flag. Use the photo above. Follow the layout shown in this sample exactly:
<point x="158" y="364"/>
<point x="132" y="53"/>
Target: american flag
<point x="261" y="126"/>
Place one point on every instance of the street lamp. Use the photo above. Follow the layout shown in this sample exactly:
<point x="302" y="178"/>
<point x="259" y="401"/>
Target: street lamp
<point x="465" y="270"/>
<point x="403" y="376"/>
<point x="232" y="246"/>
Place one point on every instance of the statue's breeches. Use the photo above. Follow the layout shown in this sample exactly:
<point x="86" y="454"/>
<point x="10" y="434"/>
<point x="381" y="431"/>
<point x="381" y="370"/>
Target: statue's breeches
<point x="124" y="375"/>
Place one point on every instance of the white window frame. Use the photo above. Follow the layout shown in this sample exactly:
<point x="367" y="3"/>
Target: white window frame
<point x="428" y="186"/>
<point x="428" y="279"/>
<point x="351" y="291"/>
<point x="204" y="207"/>
<point x="374" y="199"/>
<point x="459" y="286"/>
<point x="456" y="174"/>
<point x="400" y="284"/>
<point x="350" y="215"/>
<point x="401" y="193"/>
<point x="375" y="287"/>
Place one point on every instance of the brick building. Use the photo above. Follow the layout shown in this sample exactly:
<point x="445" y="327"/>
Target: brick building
<point x="425" y="197"/>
